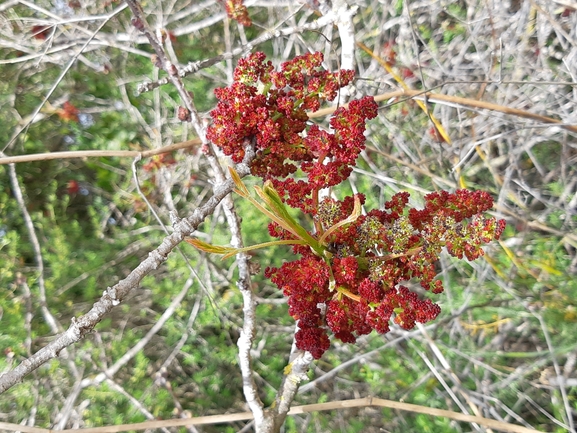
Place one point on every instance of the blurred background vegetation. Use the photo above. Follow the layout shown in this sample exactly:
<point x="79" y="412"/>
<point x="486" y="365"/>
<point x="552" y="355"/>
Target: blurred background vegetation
<point x="504" y="346"/>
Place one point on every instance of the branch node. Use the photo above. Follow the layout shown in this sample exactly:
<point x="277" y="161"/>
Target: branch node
<point x="174" y="218"/>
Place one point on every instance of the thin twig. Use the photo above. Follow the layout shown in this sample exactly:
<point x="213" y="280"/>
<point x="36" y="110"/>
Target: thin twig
<point x="334" y="405"/>
<point x="114" y="295"/>
<point x="165" y="63"/>
<point x="131" y="353"/>
<point x="17" y="191"/>
<point x="194" y="67"/>
<point x="62" y="74"/>
<point x="410" y="94"/>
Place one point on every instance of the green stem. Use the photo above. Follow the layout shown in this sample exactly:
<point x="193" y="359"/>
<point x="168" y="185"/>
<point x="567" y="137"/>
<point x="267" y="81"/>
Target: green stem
<point x="348" y="294"/>
<point x="264" y="245"/>
<point x="277" y="211"/>
<point x="352" y="218"/>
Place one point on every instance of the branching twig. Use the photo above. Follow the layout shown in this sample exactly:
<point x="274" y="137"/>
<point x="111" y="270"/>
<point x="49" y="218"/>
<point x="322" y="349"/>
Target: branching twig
<point x="61" y="76"/>
<point x="294" y="373"/>
<point x="164" y="62"/>
<point x="248" y="331"/>
<point x="346" y="28"/>
<point x="131" y="353"/>
<point x="194" y="67"/>
<point x="112" y="296"/>
<point x="137" y="404"/>
<point x="409" y="94"/>
<point x="249" y="323"/>
<point x="48" y="317"/>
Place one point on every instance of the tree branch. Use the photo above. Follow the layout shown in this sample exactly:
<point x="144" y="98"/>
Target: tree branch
<point x="55" y="327"/>
<point x="346" y="27"/>
<point x="249" y="308"/>
<point x="294" y="373"/>
<point x="98" y="153"/>
<point x="194" y="67"/>
<point x="164" y="62"/>
<point x="114" y="295"/>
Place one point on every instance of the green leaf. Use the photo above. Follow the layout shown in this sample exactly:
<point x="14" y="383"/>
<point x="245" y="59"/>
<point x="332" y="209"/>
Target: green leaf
<point x="213" y="249"/>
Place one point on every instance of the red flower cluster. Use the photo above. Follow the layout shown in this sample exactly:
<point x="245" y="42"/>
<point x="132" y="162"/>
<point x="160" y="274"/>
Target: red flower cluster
<point x="350" y="281"/>
<point x="333" y="155"/>
<point x="270" y="107"/>
<point x="68" y="112"/>
<point x="236" y="10"/>
<point x="357" y="287"/>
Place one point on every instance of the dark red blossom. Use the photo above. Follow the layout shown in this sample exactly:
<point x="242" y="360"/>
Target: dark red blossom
<point x="347" y="318"/>
<point x="379" y="318"/>
<point x="349" y="124"/>
<point x="459" y="205"/>
<point x="304" y="277"/>
<point x="252" y="69"/>
<point x="72" y="187"/>
<point x="409" y="308"/>
<point x="305" y="282"/>
<point x="314" y="340"/>
<point x="68" y="112"/>
<point x="473" y="236"/>
<point x="183" y="114"/>
<point x="269" y="107"/>
<point x="345" y="271"/>
<point x="40" y="32"/>
<point x="397" y="203"/>
<point x="371" y="291"/>
<point x="236" y="10"/>
<point x="348" y="282"/>
<point x="371" y="257"/>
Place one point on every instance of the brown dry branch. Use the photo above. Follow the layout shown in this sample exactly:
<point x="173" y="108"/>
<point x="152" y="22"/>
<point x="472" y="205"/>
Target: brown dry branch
<point x="100" y="153"/>
<point x="391" y="97"/>
<point x="334" y="405"/>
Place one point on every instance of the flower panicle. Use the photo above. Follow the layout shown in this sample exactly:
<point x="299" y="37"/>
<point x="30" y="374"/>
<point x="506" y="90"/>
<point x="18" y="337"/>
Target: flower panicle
<point x="351" y="278"/>
<point x="372" y="256"/>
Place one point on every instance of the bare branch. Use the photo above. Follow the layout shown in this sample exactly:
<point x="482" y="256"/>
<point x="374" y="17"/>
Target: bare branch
<point x="294" y="373"/>
<point x="131" y="353"/>
<point x="164" y="62"/>
<point x="99" y="153"/>
<point x="194" y="67"/>
<point x="61" y="76"/>
<point x="114" y="295"/>
<point x="346" y="27"/>
<point x="48" y="317"/>
<point x="334" y="405"/>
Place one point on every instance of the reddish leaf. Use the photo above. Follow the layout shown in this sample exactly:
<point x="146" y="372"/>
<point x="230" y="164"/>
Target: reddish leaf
<point x="40" y="32"/>
<point x="68" y="112"/>
<point x="72" y="187"/>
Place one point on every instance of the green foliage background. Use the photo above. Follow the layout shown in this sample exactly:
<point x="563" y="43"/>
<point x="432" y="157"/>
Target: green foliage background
<point x="508" y="322"/>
